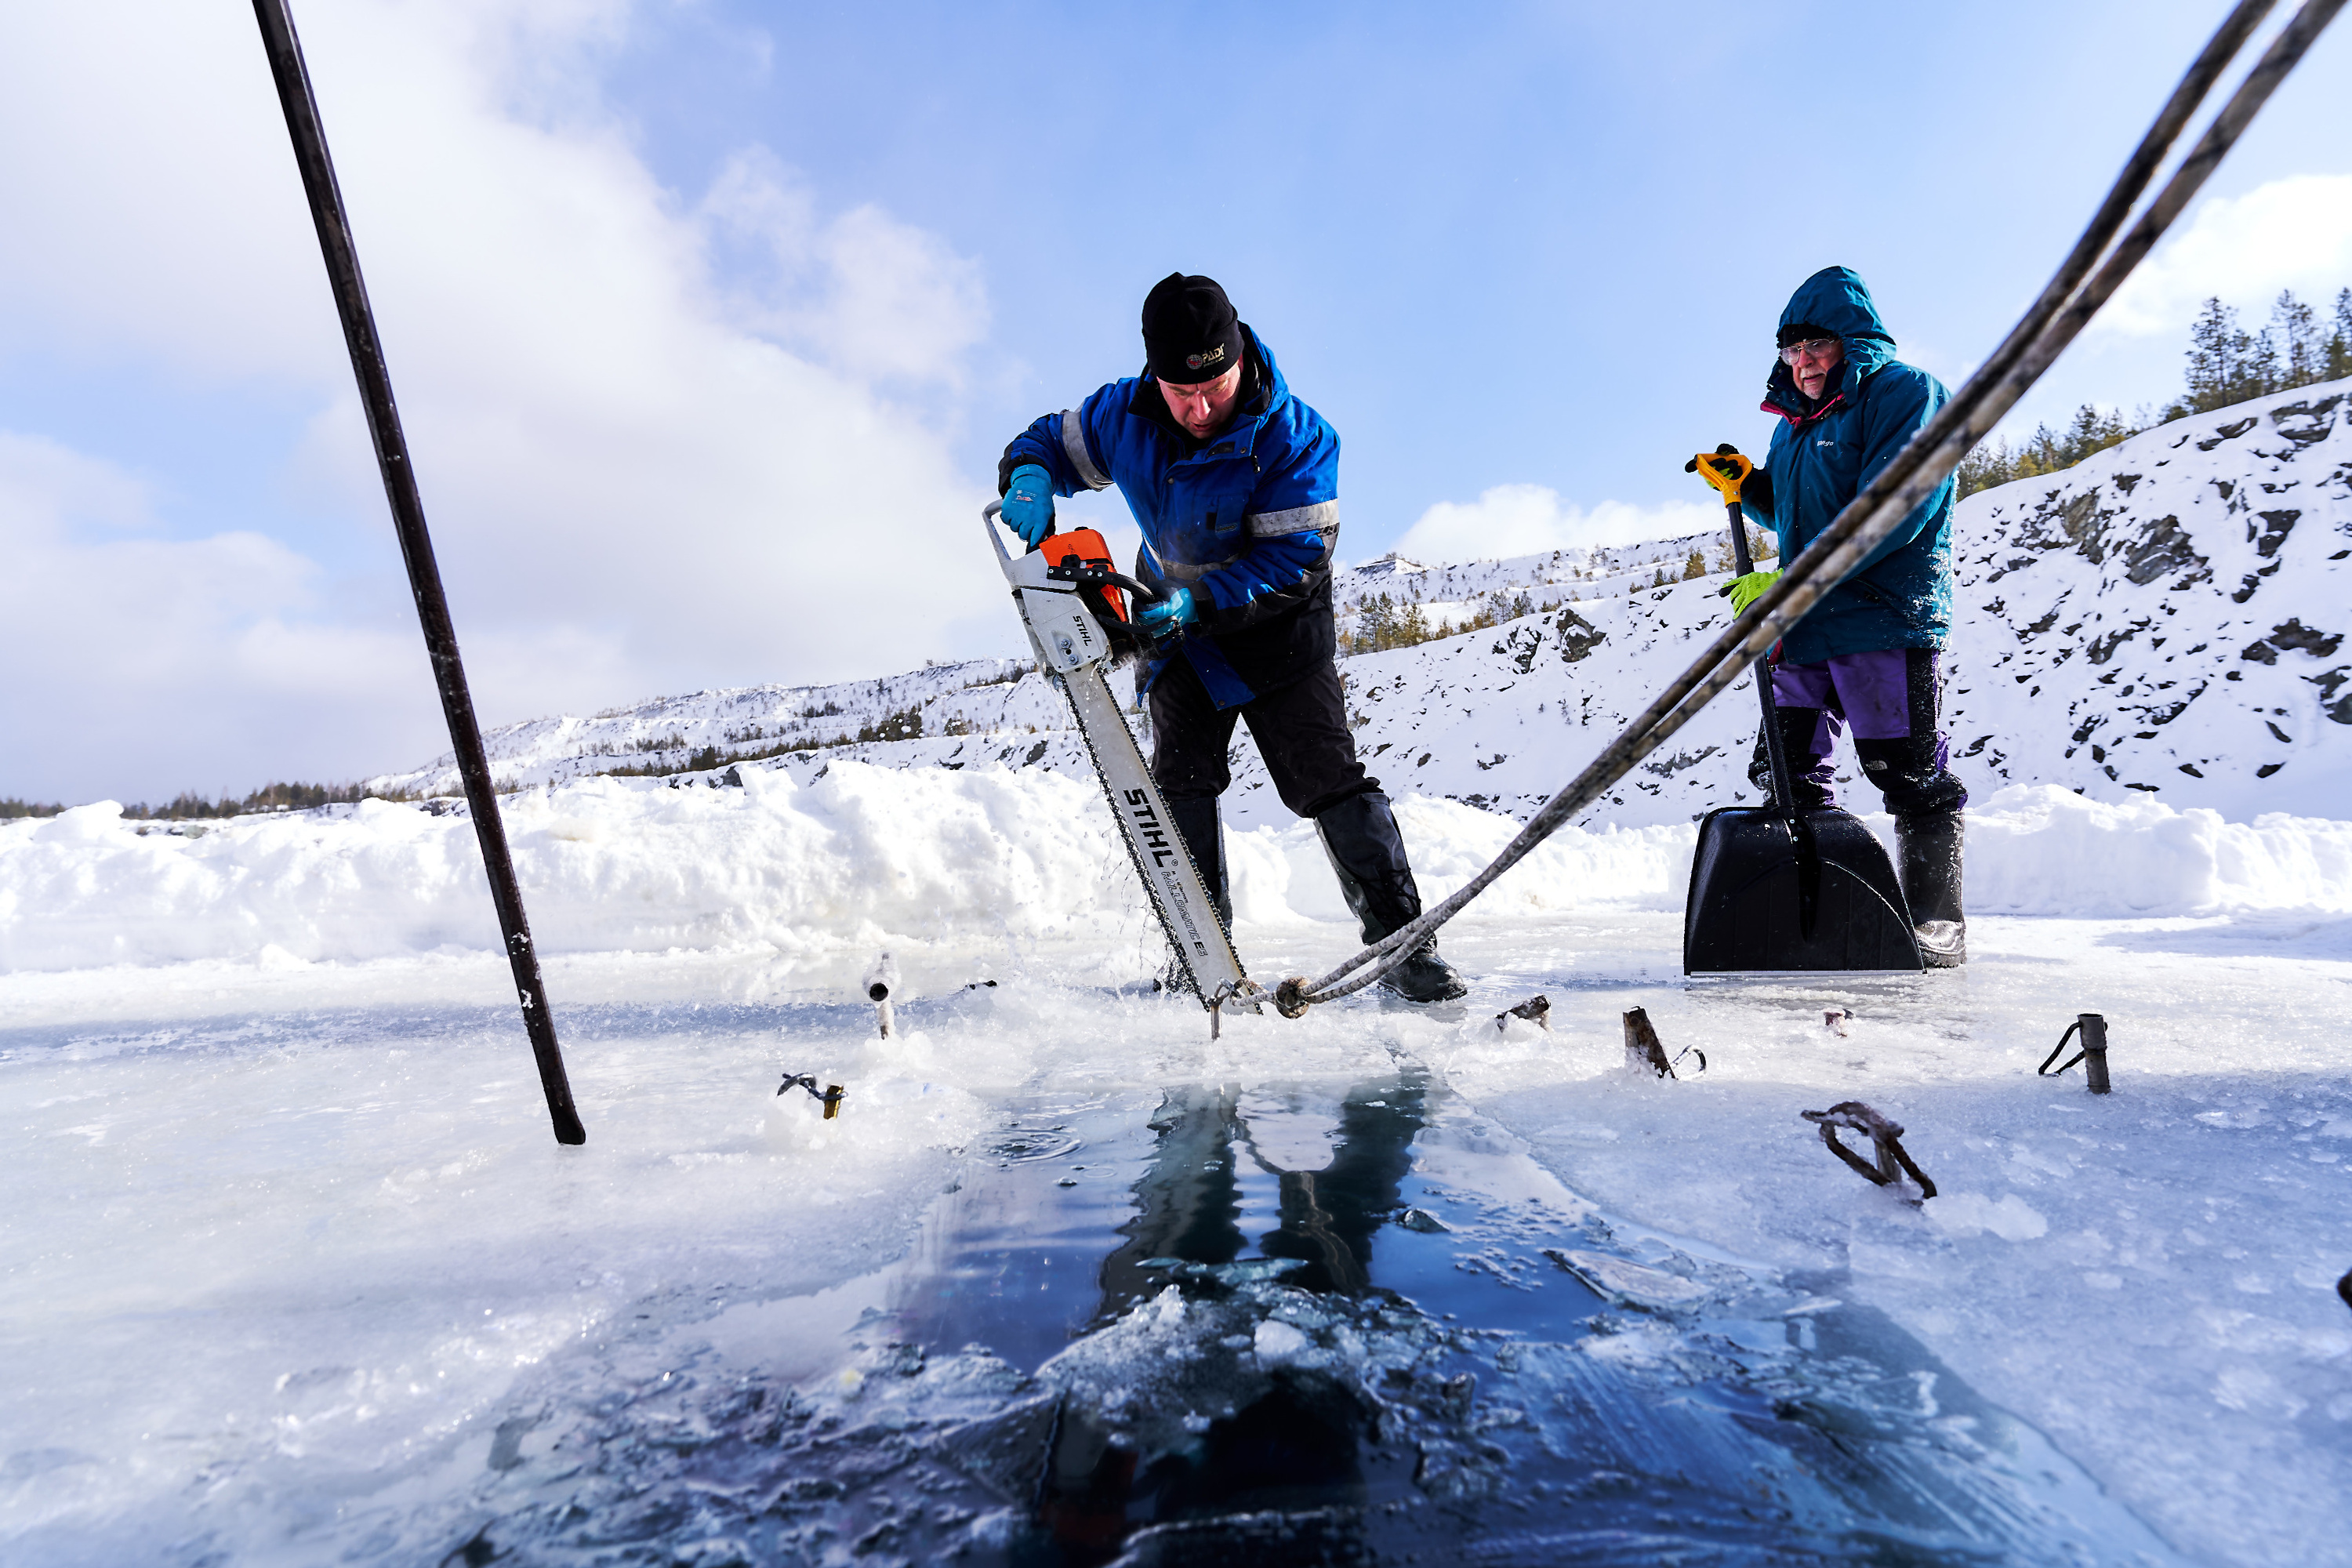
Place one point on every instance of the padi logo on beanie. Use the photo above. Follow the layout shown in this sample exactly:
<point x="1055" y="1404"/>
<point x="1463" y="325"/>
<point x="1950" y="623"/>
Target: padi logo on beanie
<point x="1190" y="333"/>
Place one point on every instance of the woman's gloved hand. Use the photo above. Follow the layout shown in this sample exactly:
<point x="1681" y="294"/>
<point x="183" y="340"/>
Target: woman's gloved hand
<point x="1028" y="507"/>
<point x="1745" y="591"/>
<point x="1724" y="468"/>
<point x="1176" y="610"/>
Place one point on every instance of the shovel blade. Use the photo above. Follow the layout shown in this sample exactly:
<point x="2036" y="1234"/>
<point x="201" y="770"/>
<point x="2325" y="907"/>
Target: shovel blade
<point x="1744" y="911"/>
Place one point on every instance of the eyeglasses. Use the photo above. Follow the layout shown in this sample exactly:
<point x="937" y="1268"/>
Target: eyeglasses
<point x="1817" y="349"/>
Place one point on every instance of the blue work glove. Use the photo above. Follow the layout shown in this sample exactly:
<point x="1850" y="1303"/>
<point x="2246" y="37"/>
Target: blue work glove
<point x="1029" y="504"/>
<point x="1175" y="610"/>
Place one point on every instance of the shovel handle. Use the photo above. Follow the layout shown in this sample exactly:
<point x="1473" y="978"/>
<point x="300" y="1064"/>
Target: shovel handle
<point x="1776" y="750"/>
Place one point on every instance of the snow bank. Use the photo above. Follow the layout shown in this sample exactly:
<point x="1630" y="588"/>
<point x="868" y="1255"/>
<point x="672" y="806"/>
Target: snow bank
<point x="859" y="856"/>
<point x="2043" y="850"/>
<point x="1281" y="874"/>
<point x="865" y="856"/>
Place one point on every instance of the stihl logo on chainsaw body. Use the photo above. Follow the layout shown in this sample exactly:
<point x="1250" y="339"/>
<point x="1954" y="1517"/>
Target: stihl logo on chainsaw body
<point x="1147" y="821"/>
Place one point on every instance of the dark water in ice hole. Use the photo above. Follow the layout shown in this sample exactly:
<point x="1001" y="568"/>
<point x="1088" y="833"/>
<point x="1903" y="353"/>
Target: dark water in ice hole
<point x="1304" y="1328"/>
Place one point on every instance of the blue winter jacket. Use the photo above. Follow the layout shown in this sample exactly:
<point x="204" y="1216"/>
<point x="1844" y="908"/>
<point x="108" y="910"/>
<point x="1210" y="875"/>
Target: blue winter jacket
<point x="1247" y="517"/>
<point x="1823" y="454"/>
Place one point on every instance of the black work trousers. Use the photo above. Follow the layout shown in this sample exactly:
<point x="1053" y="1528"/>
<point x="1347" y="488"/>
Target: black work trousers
<point x="1301" y="731"/>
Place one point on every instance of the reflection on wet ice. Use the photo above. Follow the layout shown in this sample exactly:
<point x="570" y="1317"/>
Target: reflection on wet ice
<point x="1419" y="1345"/>
<point x="1189" y="1204"/>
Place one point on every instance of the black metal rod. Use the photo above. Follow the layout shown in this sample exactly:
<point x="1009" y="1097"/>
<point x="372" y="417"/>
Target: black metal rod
<point x="342" y="259"/>
<point x="1775" y="745"/>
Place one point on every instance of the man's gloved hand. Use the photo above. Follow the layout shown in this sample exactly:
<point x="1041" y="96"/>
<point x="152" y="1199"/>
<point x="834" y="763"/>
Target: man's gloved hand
<point x="1176" y="610"/>
<point x="1744" y="591"/>
<point x="1028" y="508"/>
<point x="1724" y="468"/>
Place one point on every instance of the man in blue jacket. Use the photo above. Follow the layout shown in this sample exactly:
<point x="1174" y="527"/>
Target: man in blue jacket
<point x="1868" y="656"/>
<point x="1234" y="483"/>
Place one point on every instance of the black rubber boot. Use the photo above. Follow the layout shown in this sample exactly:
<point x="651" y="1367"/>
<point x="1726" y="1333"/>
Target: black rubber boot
<point x="1928" y="855"/>
<point x="1197" y="820"/>
<point x="1361" y="836"/>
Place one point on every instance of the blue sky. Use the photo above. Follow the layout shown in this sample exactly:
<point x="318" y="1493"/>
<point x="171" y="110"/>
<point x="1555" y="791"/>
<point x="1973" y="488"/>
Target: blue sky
<point x="709" y="319"/>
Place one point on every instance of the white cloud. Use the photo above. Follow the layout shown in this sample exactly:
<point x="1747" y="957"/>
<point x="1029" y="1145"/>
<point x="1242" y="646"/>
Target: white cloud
<point x="2294" y="233"/>
<point x="1520" y="519"/>
<point x="123" y="645"/>
<point x="862" y="292"/>
<point x="640" y="477"/>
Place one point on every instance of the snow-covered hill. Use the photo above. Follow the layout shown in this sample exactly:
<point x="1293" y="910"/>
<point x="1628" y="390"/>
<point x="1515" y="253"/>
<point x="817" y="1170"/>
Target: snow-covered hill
<point x="2166" y="619"/>
<point x="958" y="714"/>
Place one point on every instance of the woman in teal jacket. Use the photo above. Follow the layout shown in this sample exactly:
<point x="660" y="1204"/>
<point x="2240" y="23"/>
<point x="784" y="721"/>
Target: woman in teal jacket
<point x="1868" y="657"/>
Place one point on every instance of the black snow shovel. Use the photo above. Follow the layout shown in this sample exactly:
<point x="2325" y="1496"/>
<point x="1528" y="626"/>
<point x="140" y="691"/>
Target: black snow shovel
<point x="1775" y="888"/>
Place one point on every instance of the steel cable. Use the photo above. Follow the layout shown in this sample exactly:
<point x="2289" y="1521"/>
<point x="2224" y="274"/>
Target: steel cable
<point x="2064" y="308"/>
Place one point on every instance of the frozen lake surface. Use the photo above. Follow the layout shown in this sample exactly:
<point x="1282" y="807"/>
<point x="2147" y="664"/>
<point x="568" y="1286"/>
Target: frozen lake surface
<point x="297" y="1275"/>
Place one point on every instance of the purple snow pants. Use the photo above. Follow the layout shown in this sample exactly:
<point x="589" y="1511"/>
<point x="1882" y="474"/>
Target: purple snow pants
<point x="1891" y="700"/>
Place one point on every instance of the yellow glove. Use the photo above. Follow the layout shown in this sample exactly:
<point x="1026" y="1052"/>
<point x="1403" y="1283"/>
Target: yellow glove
<point x="1724" y="468"/>
<point x="1745" y="591"/>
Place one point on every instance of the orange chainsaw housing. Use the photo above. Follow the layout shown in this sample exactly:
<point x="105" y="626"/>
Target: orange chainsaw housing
<point x="1084" y="546"/>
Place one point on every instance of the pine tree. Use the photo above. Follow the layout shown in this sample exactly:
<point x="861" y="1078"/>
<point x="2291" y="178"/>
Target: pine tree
<point x="2227" y="364"/>
<point x="2339" y="347"/>
<point x="2301" y="351"/>
<point x="1696" y="565"/>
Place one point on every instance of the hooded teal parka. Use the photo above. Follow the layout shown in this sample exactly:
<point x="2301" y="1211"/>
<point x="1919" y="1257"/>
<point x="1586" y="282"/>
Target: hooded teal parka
<point x="1826" y="453"/>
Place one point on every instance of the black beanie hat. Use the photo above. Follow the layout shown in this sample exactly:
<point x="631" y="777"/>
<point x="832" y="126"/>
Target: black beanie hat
<point x="1803" y="333"/>
<point x="1190" y="331"/>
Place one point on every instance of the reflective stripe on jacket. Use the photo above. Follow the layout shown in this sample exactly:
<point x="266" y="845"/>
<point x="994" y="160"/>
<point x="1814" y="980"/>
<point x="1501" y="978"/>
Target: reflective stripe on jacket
<point x="1247" y="519"/>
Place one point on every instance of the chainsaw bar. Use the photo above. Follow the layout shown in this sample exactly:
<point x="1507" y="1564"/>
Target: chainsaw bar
<point x="1073" y="649"/>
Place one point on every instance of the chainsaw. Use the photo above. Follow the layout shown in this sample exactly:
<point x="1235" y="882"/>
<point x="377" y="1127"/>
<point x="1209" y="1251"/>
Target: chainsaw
<point x="1073" y="604"/>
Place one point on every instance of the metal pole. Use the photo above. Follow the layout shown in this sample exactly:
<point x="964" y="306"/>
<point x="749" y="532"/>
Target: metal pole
<point x="1776" y="749"/>
<point x="309" y="139"/>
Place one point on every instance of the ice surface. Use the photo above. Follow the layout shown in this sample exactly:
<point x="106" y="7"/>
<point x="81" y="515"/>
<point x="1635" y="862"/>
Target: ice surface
<point x="296" y="1267"/>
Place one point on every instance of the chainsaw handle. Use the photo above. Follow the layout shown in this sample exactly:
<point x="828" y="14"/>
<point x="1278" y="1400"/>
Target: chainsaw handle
<point x="1109" y="579"/>
<point x="989" y="515"/>
<point x="994" y="510"/>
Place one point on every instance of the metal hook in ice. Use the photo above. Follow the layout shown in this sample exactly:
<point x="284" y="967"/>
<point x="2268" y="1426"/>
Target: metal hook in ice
<point x="1646" y="1052"/>
<point x="1536" y="1010"/>
<point x="1245" y="992"/>
<point x="830" y="1097"/>
<point x="2093" y="1055"/>
<point x="881" y="981"/>
<point x="1887" y="1141"/>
